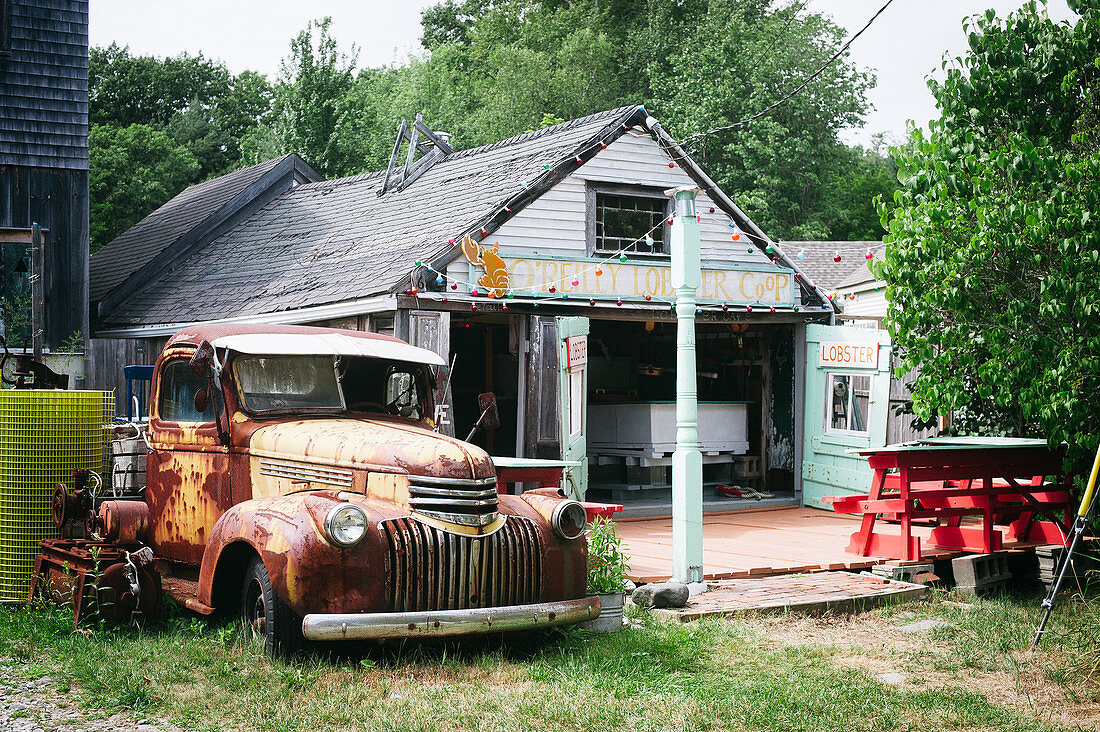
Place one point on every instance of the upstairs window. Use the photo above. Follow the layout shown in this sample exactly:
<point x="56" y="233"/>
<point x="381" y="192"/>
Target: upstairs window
<point x="628" y="218"/>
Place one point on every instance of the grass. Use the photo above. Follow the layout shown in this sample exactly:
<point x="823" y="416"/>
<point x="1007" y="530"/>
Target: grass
<point x="753" y="672"/>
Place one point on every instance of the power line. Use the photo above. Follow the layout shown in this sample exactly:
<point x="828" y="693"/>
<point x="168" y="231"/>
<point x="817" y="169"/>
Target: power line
<point x="800" y="87"/>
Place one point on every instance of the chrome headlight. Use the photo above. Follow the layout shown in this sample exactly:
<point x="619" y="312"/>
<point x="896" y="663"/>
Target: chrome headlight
<point x="346" y="525"/>
<point x="569" y="519"/>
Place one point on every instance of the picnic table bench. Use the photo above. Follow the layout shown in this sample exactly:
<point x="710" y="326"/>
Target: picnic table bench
<point x="1001" y="480"/>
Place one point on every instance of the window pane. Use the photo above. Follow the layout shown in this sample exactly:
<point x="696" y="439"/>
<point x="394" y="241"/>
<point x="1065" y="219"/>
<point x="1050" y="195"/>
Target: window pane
<point x="576" y="403"/>
<point x="622" y="222"/>
<point x="176" y="403"/>
<point x="401" y="395"/>
<point x="285" y="383"/>
<point x="839" y="388"/>
<point x="848" y="403"/>
<point x="861" y="401"/>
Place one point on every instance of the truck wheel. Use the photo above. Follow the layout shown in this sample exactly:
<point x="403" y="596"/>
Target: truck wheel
<point x="266" y="617"/>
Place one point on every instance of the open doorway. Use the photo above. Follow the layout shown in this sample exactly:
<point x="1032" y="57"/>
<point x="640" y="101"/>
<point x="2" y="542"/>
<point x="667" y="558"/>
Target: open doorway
<point x="486" y="361"/>
<point x="745" y="385"/>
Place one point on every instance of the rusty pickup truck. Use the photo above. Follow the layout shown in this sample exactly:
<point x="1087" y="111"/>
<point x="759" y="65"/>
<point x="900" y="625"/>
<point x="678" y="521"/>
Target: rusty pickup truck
<point x="294" y="475"/>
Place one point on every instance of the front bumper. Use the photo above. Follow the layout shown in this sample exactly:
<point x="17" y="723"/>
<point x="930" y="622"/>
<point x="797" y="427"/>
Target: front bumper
<point x="441" y="623"/>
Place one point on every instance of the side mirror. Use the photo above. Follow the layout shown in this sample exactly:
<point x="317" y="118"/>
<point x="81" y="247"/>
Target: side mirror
<point x="202" y="400"/>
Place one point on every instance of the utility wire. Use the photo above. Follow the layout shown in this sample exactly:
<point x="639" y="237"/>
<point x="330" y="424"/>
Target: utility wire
<point x="800" y="87"/>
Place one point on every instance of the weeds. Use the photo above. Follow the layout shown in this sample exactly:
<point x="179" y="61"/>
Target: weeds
<point x="743" y="673"/>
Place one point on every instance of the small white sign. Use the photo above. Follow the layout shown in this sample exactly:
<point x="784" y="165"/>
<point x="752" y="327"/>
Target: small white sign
<point x="849" y="355"/>
<point x="577" y="348"/>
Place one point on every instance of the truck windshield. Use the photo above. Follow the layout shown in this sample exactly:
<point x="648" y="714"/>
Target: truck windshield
<point x="288" y="383"/>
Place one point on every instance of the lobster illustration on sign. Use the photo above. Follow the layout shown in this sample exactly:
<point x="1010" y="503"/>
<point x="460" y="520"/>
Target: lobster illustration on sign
<point x="495" y="279"/>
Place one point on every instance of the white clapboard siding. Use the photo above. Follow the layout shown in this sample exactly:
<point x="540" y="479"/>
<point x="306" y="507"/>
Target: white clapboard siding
<point x="868" y="303"/>
<point x="554" y="225"/>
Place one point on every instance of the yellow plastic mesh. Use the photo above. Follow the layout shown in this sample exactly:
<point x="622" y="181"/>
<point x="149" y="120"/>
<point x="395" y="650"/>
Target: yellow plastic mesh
<point x="44" y="436"/>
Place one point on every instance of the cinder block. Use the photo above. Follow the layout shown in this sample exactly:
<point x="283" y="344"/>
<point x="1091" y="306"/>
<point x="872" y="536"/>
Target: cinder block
<point x="978" y="574"/>
<point x="1083" y="565"/>
<point x="903" y="573"/>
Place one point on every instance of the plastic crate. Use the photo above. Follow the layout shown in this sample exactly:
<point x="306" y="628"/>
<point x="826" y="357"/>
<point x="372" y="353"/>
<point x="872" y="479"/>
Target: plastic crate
<point x="44" y="436"/>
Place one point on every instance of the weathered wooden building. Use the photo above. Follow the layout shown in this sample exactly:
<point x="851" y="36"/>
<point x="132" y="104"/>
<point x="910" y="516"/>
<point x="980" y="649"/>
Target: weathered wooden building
<point x="494" y="257"/>
<point x="44" y="154"/>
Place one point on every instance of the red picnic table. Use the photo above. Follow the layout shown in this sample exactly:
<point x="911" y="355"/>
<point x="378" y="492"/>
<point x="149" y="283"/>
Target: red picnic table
<point x="547" y="473"/>
<point x="1001" y="480"/>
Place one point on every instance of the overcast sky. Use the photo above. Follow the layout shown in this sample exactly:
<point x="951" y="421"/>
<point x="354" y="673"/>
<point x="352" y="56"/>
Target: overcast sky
<point x="902" y="47"/>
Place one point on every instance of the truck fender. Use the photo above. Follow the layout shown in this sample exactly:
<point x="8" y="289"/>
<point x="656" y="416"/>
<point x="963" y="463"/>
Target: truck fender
<point x="307" y="572"/>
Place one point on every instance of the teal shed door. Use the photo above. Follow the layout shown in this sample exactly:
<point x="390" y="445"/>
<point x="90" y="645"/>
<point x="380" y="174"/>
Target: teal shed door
<point x="573" y="370"/>
<point x="847" y="401"/>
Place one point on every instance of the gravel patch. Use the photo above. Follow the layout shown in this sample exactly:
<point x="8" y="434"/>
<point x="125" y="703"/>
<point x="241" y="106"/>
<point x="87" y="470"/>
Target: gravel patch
<point x="41" y="704"/>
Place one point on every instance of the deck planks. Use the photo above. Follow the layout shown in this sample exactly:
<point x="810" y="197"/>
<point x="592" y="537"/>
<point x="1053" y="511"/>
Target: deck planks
<point x="751" y="543"/>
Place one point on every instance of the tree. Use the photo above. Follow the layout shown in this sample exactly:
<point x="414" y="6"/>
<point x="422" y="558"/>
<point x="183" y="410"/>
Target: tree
<point x="994" y="254"/>
<point x="739" y="58"/>
<point x="141" y="104"/>
<point x="309" y="98"/>
<point x="134" y="170"/>
<point x="848" y="200"/>
<point x="498" y="67"/>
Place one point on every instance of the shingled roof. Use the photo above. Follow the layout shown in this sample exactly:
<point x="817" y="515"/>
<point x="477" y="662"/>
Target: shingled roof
<point x="334" y="241"/>
<point x="197" y="210"/>
<point x="816" y="259"/>
<point x="337" y="240"/>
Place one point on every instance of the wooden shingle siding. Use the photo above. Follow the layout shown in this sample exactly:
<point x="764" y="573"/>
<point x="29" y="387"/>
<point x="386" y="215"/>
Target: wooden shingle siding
<point x="44" y="85"/>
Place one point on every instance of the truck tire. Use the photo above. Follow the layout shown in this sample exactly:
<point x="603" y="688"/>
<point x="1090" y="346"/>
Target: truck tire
<point x="266" y="617"/>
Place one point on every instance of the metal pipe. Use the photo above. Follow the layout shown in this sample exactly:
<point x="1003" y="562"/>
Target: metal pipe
<point x="38" y="300"/>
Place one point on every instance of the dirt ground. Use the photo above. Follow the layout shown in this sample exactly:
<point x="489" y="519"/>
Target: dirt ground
<point x="873" y="644"/>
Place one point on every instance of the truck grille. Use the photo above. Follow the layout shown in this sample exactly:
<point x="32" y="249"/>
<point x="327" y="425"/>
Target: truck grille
<point x="431" y="569"/>
<point x="464" y="501"/>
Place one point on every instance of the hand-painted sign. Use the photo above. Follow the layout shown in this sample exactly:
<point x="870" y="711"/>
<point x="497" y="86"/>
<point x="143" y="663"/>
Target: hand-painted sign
<point x="577" y="348"/>
<point x="862" y="355"/>
<point x="637" y="280"/>
<point x="495" y="279"/>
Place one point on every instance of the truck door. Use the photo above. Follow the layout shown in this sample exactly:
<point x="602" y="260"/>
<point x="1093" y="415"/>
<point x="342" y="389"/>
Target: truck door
<point x="188" y="488"/>
<point x="573" y="391"/>
<point x="847" y="402"/>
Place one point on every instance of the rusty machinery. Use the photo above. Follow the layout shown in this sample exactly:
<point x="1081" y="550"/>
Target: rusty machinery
<point x="100" y="567"/>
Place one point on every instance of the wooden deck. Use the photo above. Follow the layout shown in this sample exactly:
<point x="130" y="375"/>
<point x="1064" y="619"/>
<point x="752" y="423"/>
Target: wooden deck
<point x="756" y="543"/>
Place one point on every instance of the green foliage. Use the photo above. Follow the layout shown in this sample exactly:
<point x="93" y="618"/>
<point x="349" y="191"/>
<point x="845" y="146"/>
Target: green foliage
<point x="309" y="98"/>
<point x="848" y="200"/>
<point x="195" y="103"/>
<point x="737" y="57"/>
<point x="17" y="317"/>
<point x="134" y="170"/>
<point x="607" y="562"/>
<point x="994" y="259"/>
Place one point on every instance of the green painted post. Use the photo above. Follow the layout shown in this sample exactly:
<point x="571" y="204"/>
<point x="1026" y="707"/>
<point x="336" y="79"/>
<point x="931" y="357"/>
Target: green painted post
<point x="687" y="461"/>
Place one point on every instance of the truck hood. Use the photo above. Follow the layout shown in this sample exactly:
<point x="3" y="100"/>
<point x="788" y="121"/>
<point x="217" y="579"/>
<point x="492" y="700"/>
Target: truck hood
<point x="372" y="444"/>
